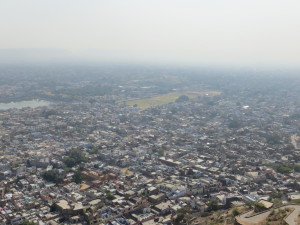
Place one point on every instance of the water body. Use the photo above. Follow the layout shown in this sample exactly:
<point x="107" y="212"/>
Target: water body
<point x="22" y="104"/>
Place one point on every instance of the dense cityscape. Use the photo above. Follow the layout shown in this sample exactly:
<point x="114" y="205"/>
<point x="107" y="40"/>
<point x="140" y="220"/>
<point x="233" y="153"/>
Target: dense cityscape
<point x="149" y="146"/>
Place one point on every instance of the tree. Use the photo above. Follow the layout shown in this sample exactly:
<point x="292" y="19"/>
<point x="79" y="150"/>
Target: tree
<point x="181" y="214"/>
<point x="249" y="204"/>
<point x="53" y="208"/>
<point x="282" y="168"/>
<point x="273" y="139"/>
<point x="110" y="196"/>
<point x="259" y="207"/>
<point x="235" y="211"/>
<point x="81" y="168"/>
<point x="93" y="151"/>
<point x="297" y="167"/>
<point x="70" y="162"/>
<point x="277" y="202"/>
<point x="275" y="195"/>
<point x="182" y="98"/>
<point x="213" y="205"/>
<point x="77" y="177"/>
<point x="96" y="166"/>
<point x="74" y="157"/>
<point x="53" y="176"/>
<point x="27" y="222"/>
<point x="179" y="218"/>
<point x="235" y="124"/>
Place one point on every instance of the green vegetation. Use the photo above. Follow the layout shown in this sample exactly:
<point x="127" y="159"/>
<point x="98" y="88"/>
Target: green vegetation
<point x="74" y="157"/>
<point x="27" y="222"/>
<point x="249" y="204"/>
<point x="297" y="167"/>
<point x="53" y="176"/>
<point x="235" y="211"/>
<point x="235" y="124"/>
<point x="259" y="207"/>
<point x="109" y="195"/>
<point x="53" y="207"/>
<point x="86" y="91"/>
<point x="47" y="113"/>
<point x="182" y="98"/>
<point x="273" y="139"/>
<point x="93" y="151"/>
<point x="166" y="98"/>
<point x="205" y="214"/>
<point x="277" y="216"/>
<point x="213" y="205"/>
<point x="277" y="202"/>
<point x="296" y="201"/>
<point x="275" y="195"/>
<point x="181" y="214"/>
<point x="285" y="168"/>
<point x="179" y="218"/>
<point x="77" y="177"/>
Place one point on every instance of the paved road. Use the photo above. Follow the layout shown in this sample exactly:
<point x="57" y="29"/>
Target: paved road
<point x="246" y="219"/>
<point x="293" y="218"/>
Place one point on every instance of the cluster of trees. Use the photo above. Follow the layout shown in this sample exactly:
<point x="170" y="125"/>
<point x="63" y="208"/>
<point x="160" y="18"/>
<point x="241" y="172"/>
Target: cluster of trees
<point x="257" y="206"/>
<point x="27" y="222"/>
<point x="235" y="211"/>
<point x="86" y="91"/>
<point x="182" y="98"/>
<point x="53" y="176"/>
<point x="278" y="216"/>
<point x="273" y="139"/>
<point x="275" y="195"/>
<point x="213" y="205"/>
<point x="285" y="168"/>
<point x="47" y="113"/>
<point x="74" y="157"/>
<point x="109" y="195"/>
<point x="56" y="177"/>
<point x="181" y="214"/>
<point x="296" y="201"/>
<point x="235" y="124"/>
<point x="77" y="177"/>
<point x="93" y="150"/>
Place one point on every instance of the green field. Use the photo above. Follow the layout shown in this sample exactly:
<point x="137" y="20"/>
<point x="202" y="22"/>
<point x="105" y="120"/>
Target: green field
<point x="145" y="103"/>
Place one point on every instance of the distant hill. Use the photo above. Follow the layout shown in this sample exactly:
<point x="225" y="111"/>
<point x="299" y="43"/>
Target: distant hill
<point x="32" y="55"/>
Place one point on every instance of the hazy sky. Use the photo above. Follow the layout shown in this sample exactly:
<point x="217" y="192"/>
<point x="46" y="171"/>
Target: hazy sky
<point x="251" y="32"/>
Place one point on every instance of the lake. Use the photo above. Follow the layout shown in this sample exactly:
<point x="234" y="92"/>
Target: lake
<point x="22" y="104"/>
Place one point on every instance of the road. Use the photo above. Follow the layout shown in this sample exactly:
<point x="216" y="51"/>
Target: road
<point x="247" y="219"/>
<point x="293" y="218"/>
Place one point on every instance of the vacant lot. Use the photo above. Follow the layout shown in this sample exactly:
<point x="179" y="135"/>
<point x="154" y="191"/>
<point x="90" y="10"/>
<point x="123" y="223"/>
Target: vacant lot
<point x="145" y="103"/>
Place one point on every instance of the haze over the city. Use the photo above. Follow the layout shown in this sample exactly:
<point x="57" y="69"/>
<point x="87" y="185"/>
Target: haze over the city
<point x="149" y="112"/>
<point x="191" y="32"/>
